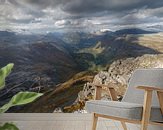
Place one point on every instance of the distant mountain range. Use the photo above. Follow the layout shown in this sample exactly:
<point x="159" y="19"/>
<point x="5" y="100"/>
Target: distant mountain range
<point x="133" y="31"/>
<point x="44" y="62"/>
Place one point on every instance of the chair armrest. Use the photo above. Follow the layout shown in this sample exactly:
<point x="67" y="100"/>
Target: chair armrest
<point x="109" y="88"/>
<point x="150" y="88"/>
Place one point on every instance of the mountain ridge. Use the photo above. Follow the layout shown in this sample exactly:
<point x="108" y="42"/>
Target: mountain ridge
<point x="45" y="62"/>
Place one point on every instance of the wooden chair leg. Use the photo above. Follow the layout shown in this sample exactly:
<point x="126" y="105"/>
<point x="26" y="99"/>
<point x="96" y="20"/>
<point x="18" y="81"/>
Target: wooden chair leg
<point x="146" y="109"/>
<point x="94" y="122"/>
<point x="160" y="98"/>
<point x="124" y="125"/>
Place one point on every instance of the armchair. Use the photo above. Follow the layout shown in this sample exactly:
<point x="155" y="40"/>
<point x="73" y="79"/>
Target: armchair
<point x="138" y="107"/>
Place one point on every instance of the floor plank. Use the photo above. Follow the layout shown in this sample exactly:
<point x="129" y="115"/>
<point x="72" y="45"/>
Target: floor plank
<point x="56" y="121"/>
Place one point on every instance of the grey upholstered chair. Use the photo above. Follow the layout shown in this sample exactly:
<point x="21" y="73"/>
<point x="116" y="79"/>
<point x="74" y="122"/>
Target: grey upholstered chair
<point x="137" y="106"/>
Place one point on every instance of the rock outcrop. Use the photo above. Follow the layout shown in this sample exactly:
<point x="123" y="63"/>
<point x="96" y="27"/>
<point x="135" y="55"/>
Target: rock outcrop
<point x="119" y="73"/>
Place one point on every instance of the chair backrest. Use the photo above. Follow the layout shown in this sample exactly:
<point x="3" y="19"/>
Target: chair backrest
<point x="144" y="77"/>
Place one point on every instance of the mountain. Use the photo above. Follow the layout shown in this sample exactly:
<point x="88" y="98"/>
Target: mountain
<point x="133" y="31"/>
<point x="115" y="47"/>
<point x="38" y="66"/>
<point x="59" y="64"/>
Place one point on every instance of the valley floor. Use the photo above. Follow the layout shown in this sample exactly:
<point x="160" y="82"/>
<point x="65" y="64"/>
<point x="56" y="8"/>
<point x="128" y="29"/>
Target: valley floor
<point x="57" y="121"/>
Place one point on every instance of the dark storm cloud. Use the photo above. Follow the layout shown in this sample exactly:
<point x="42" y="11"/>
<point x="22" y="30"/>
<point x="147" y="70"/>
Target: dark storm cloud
<point x="60" y="14"/>
<point x="112" y="6"/>
<point x="93" y="6"/>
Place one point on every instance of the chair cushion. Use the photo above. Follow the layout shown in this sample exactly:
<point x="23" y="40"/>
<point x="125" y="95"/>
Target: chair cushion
<point x="131" y="111"/>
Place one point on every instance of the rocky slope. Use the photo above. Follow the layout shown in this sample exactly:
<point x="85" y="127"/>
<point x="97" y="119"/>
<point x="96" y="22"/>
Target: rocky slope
<point x="118" y="73"/>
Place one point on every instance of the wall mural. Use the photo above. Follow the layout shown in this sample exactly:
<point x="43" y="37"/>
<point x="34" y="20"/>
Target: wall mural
<point x="57" y="47"/>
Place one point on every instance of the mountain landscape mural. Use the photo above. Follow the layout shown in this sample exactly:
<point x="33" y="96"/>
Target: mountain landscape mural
<point x="57" y="47"/>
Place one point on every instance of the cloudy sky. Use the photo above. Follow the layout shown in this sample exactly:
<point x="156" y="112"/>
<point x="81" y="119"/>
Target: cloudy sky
<point x="87" y="15"/>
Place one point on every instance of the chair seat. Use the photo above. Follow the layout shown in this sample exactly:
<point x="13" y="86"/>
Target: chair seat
<point x="131" y="111"/>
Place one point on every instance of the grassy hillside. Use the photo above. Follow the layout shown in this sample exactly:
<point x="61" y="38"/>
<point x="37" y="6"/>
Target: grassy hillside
<point x="64" y="94"/>
<point x="154" y="41"/>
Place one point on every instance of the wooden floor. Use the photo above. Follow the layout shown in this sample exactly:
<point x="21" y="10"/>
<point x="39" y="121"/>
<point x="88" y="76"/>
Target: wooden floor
<point x="57" y="121"/>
